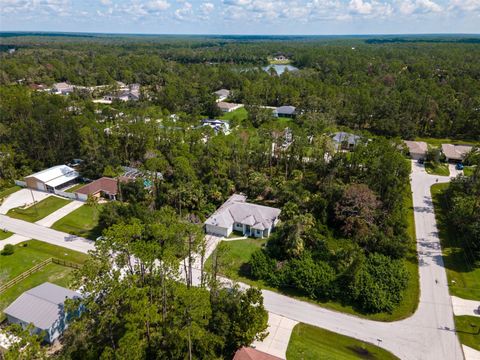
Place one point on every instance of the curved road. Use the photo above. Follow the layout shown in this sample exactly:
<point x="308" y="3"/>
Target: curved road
<point x="428" y="334"/>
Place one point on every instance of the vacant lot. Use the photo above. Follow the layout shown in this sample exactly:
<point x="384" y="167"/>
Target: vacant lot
<point x="27" y="255"/>
<point x="81" y="222"/>
<point x="463" y="275"/>
<point x="312" y="343"/>
<point x="39" y="210"/>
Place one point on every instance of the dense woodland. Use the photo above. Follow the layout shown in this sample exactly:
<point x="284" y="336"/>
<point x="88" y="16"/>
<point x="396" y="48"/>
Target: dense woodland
<point x="343" y="234"/>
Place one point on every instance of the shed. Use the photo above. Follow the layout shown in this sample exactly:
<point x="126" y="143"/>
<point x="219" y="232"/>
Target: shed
<point x="42" y="306"/>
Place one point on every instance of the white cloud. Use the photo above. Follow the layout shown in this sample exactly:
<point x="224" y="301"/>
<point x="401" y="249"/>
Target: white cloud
<point x="207" y="7"/>
<point x="157" y="5"/>
<point x="184" y="12"/>
<point x="410" y="7"/>
<point x="106" y="2"/>
<point x="464" y="5"/>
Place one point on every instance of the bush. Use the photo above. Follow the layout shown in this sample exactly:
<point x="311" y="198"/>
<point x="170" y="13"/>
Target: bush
<point x="9" y="249"/>
<point x="262" y="266"/>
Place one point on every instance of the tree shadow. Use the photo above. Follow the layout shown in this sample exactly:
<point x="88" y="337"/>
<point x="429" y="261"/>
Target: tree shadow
<point x="361" y="352"/>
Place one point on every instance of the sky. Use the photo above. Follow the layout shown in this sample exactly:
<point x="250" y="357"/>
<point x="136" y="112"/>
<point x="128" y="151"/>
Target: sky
<point x="266" y="17"/>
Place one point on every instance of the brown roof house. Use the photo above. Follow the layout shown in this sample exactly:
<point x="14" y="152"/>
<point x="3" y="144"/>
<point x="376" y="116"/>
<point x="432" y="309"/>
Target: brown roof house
<point x="105" y="187"/>
<point x="456" y="153"/>
<point x="248" y="353"/>
<point x="417" y="149"/>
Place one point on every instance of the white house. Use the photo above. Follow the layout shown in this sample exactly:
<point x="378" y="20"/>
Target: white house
<point x="238" y="215"/>
<point x="56" y="177"/>
<point x="42" y="306"/>
<point x="217" y="125"/>
<point x="62" y="88"/>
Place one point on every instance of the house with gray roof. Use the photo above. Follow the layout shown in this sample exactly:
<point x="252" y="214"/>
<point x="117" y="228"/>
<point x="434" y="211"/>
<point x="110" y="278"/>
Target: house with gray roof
<point x="345" y="141"/>
<point x="417" y="149"/>
<point x="42" y="306"/>
<point x="222" y="94"/>
<point x="236" y="214"/>
<point x="456" y="153"/>
<point x="285" y="111"/>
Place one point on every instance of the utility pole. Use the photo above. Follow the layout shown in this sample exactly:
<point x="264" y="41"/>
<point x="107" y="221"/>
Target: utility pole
<point x="34" y="203"/>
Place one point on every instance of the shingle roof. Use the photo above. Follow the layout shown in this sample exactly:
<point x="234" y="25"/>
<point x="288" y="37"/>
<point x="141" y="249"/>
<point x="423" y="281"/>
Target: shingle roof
<point x="236" y="209"/>
<point x="105" y="184"/>
<point x="56" y="175"/>
<point x="227" y="105"/>
<point x="222" y="92"/>
<point x="416" y="147"/>
<point x="456" y="152"/>
<point x="42" y="306"/>
<point x="248" y="353"/>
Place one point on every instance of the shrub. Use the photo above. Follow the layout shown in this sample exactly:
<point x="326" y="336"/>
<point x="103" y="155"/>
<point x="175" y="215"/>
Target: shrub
<point x="262" y="266"/>
<point x="8" y="249"/>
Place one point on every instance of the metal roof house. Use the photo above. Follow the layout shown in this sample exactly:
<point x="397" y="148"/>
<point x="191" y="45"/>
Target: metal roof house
<point x="56" y="177"/>
<point x="456" y="153"/>
<point x="285" y="111"/>
<point x="345" y="141"/>
<point x="42" y="306"/>
<point x="62" y="88"/>
<point x="249" y="219"/>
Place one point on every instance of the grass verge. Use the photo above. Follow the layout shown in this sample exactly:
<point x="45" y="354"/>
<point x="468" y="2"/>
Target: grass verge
<point x="469" y="335"/>
<point x="5" y="234"/>
<point x="7" y="191"/>
<point x="310" y="343"/>
<point x="81" y="222"/>
<point x="463" y="276"/>
<point x="39" y="210"/>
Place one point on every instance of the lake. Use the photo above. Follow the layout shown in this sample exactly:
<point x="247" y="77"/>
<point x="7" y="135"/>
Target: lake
<point x="280" y="69"/>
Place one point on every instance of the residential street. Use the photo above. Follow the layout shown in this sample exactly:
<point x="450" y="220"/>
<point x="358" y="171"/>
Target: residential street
<point x="35" y="231"/>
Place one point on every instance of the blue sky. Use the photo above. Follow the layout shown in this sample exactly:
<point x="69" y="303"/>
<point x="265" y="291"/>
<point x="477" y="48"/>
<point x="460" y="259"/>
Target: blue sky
<point x="243" y="16"/>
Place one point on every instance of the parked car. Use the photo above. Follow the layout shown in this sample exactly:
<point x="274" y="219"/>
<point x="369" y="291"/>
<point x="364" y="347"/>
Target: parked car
<point x="421" y="160"/>
<point x="459" y="166"/>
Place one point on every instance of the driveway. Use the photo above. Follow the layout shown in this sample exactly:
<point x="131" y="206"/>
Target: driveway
<point x="35" y="231"/>
<point x="465" y="307"/>
<point x="279" y="332"/>
<point x="51" y="219"/>
<point x="21" y="198"/>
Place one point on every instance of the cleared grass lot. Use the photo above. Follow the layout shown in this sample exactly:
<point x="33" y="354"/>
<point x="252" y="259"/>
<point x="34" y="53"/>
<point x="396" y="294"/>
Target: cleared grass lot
<point x="312" y="343"/>
<point x="39" y="210"/>
<point x="81" y="222"/>
<point x="29" y="254"/>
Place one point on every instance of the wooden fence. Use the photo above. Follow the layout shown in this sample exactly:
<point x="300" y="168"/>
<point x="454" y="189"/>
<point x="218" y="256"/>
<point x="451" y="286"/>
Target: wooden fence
<point x="36" y="268"/>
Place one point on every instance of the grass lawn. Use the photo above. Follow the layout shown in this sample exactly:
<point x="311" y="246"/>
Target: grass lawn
<point x="284" y="121"/>
<point x="25" y="257"/>
<point x="75" y="187"/>
<point x="81" y="222"/>
<point x="458" y="264"/>
<point x="439" y="169"/>
<point x="469" y="335"/>
<point x="4" y="192"/>
<point x="4" y="235"/>
<point x="237" y="115"/>
<point x="312" y="343"/>
<point x="39" y="210"/>
<point x="468" y="170"/>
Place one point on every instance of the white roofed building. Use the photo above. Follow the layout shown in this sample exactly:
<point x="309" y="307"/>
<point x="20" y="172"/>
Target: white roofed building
<point x="238" y="215"/>
<point x="54" y="178"/>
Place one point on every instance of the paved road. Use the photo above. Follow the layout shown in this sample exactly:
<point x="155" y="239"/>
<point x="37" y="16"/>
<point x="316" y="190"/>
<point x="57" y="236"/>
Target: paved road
<point x="35" y="231"/>
<point x="51" y="219"/>
<point x="428" y="334"/>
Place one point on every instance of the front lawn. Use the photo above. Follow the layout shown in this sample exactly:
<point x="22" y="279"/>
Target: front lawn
<point x="75" y="187"/>
<point x="311" y="343"/>
<point x="4" y="192"/>
<point x="5" y="234"/>
<point x="463" y="276"/>
<point x="440" y="169"/>
<point x="236" y="258"/>
<point x="238" y="115"/>
<point x="469" y="335"/>
<point x="81" y="222"/>
<point x="39" y="210"/>
<point x="27" y="255"/>
<point x="468" y="170"/>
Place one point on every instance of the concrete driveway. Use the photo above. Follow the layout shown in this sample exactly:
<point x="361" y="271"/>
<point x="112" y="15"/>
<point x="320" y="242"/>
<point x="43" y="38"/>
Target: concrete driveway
<point x="21" y="198"/>
<point x="51" y="219"/>
<point x="465" y="307"/>
<point x="279" y="333"/>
